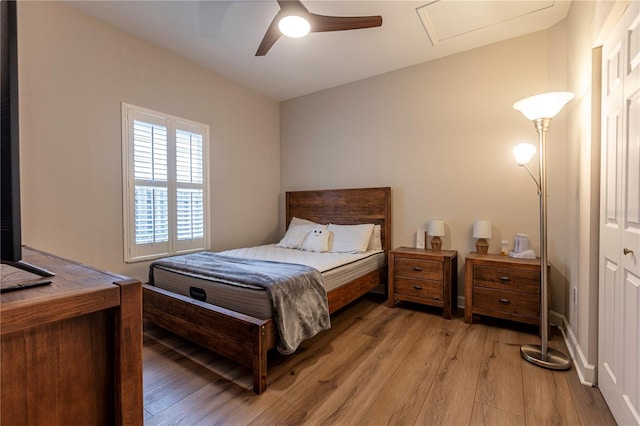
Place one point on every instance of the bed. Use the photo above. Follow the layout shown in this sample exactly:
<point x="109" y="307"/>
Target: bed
<point x="245" y="338"/>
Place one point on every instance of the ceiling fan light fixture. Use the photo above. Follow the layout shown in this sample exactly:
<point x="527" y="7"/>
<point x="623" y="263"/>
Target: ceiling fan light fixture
<point x="294" y="26"/>
<point x="295" y="20"/>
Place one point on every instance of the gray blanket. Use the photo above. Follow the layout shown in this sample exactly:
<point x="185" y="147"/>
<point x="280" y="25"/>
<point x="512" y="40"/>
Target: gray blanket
<point x="297" y="293"/>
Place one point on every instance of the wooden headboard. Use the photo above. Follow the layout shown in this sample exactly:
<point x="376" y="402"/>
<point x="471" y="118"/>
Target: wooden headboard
<point x="344" y="207"/>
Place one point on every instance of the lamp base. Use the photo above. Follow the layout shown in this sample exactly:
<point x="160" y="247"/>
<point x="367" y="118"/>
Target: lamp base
<point x="482" y="246"/>
<point x="436" y="243"/>
<point x="555" y="360"/>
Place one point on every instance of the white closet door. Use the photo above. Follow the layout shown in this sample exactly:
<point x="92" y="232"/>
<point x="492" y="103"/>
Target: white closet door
<point x="619" y="298"/>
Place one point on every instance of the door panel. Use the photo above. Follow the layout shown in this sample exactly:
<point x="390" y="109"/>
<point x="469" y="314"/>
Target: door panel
<point x="619" y="293"/>
<point x="608" y="309"/>
<point x="631" y="366"/>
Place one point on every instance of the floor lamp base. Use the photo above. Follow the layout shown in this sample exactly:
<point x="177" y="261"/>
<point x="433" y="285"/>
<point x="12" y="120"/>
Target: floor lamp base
<point x="555" y="360"/>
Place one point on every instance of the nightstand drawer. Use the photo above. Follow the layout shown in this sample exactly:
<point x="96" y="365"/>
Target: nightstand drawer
<point x="419" y="288"/>
<point x="512" y="279"/>
<point x="527" y="305"/>
<point x="419" y="268"/>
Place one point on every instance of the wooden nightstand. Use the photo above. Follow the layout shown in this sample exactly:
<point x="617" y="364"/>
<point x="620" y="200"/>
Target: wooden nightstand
<point x="424" y="276"/>
<point x="502" y="287"/>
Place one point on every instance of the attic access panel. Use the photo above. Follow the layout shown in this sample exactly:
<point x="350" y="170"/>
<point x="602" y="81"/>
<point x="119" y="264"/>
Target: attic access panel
<point x="444" y="19"/>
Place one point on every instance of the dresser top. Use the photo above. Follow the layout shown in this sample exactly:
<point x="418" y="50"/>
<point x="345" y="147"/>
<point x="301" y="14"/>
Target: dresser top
<point x="498" y="258"/>
<point x="426" y="252"/>
<point x="71" y="278"/>
<point x="75" y="289"/>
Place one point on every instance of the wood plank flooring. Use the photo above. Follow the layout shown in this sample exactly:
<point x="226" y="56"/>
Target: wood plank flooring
<point x="375" y="366"/>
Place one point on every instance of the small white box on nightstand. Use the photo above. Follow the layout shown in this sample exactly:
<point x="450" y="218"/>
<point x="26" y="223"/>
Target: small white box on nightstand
<point x="420" y="238"/>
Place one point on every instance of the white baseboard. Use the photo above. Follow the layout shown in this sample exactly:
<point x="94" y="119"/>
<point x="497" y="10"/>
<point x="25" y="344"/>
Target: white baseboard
<point x="587" y="373"/>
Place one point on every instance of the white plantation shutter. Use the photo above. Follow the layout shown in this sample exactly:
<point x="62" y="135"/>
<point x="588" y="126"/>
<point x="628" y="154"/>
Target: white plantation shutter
<point x="165" y="184"/>
<point x="190" y="214"/>
<point x="189" y="166"/>
<point x="189" y="150"/>
<point x="151" y="204"/>
<point x="151" y="215"/>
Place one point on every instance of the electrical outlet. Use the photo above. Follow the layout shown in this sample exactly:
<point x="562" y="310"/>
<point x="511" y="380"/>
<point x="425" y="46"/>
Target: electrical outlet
<point x="575" y="295"/>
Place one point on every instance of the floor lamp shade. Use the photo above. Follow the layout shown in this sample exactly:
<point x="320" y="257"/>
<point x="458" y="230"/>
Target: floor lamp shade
<point x="523" y="153"/>
<point x="546" y="105"/>
<point x="540" y="109"/>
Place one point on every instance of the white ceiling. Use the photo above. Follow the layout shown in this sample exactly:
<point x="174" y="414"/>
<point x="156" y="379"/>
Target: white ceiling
<point x="224" y="35"/>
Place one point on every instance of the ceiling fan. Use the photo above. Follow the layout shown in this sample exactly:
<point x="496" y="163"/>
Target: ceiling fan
<point x="294" y="20"/>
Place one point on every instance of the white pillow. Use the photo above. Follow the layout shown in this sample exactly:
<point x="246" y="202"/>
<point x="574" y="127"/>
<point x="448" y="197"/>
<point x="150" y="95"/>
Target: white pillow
<point x="294" y="236"/>
<point x="375" y="243"/>
<point x="317" y="240"/>
<point x="296" y="221"/>
<point x="350" y="238"/>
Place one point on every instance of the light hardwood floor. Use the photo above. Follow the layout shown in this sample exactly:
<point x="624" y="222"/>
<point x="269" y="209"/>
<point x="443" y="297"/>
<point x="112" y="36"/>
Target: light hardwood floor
<point x="375" y="366"/>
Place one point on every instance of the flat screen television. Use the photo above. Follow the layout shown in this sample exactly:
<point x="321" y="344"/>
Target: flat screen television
<point x="10" y="220"/>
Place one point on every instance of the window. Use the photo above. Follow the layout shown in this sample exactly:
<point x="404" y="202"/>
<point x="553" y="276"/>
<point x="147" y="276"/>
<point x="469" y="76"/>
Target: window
<point x="165" y="184"/>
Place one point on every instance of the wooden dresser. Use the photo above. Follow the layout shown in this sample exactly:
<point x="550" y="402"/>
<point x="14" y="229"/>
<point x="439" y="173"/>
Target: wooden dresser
<point x="424" y="276"/>
<point x="71" y="350"/>
<point x="502" y="287"/>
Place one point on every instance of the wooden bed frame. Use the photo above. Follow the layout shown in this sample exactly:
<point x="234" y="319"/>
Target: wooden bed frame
<point x="245" y="339"/>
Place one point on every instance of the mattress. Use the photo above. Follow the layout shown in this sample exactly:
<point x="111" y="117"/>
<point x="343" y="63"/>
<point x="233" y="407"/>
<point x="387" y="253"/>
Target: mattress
<point x="336" y="268"/>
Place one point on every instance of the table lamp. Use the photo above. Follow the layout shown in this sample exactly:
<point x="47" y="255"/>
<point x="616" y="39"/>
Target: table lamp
<point x="436" y="230"/>
<point x="482" y="231"/>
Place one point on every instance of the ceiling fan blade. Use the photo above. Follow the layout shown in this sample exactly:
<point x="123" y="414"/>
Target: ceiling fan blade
<point x="270" y="37"/>
<point x="286" y="4"/>
<point x="321" y="23"/>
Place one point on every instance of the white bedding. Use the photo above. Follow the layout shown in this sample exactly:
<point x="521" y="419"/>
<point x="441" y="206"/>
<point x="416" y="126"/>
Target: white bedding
<point x="323" y="262"/>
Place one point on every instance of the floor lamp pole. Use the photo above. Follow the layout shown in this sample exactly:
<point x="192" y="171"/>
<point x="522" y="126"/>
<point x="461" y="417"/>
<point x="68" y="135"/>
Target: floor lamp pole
<point x="542" y="355"/>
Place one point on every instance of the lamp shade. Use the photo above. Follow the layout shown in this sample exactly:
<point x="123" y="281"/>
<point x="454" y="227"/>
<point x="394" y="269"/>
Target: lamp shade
<point x="546" y="105"/>
<point x="294" y="26"/>
<point x="523" y="153"/>
<point x="482" y="229"/>
<point x="436" y="227"/>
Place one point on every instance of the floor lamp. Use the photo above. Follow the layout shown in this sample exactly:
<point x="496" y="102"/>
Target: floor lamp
<point x="540" y="109"/>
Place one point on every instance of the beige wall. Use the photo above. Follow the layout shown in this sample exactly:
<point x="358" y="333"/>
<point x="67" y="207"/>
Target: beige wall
<point x="441" y="135"/>
<point x="587" y="27"/>
<point x="74" y="73"/>
<point x="579" y="22"/>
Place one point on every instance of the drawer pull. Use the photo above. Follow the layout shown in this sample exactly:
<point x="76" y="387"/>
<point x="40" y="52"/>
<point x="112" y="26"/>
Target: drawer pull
<point x="505" y="279"/>
<point x="505" y="301"/>
<point x="417" y="287"/>
<point x="417" y="268"/>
